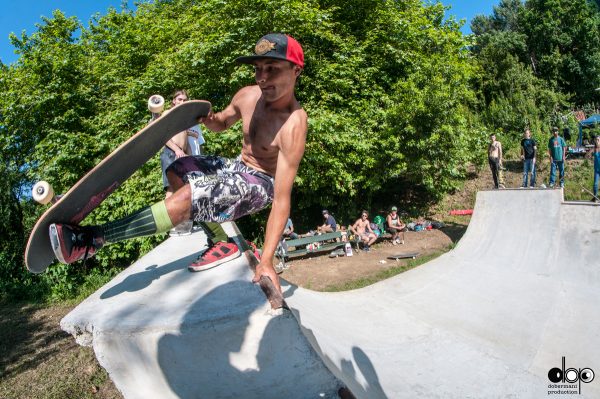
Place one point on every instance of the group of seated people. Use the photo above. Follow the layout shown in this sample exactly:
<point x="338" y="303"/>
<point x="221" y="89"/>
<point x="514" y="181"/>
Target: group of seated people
<point x="362" y="228"/>
<point x="368" y="232"/>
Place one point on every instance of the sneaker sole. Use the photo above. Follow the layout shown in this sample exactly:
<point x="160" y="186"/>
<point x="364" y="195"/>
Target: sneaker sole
<point x="55" y="243"/>
<point x="233" y="256"/>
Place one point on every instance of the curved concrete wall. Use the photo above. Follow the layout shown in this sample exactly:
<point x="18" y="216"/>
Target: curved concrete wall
<point x="490" y="319"/>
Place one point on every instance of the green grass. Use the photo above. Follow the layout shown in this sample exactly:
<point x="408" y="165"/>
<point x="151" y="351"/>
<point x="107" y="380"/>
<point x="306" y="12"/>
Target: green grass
<point x="39" y="361"/>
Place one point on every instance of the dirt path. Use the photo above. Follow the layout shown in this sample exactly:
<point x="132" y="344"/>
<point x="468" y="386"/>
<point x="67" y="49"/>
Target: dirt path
<point x="321" y="272"/>
<point x="39" y="360"/>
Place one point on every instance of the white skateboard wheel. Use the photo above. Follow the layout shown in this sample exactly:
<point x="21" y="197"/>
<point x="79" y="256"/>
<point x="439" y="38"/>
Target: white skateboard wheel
<point x="42" y="192"/>
<point x="156" y="104"/>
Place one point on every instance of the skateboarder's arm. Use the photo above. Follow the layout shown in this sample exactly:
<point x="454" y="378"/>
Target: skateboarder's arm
<point x="217" y="122"/>
<point x="291" y="150"/>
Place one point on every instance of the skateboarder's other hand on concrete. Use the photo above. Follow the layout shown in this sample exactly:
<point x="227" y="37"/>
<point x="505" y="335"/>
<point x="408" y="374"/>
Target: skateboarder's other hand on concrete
<point x="267" y="270"/>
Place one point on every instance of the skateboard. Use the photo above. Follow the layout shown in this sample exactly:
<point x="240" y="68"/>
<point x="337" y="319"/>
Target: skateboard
<point x="87" y="194"/>
<point x="156" y="106"/>
<point x="411" y="255"/>
<point x="589" y="192"/>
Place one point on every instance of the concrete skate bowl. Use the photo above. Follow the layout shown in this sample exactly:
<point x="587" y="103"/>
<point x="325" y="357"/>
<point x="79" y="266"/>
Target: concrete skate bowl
<point x="518" y="296"/>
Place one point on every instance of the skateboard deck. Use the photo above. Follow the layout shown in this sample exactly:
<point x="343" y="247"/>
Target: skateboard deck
<point x="87" y="194"/>
<point x="412" y="255"/>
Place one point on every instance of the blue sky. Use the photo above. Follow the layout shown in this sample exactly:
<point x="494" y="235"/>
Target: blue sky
<point x="468" y="9"/>
<point x="19" y="15"/>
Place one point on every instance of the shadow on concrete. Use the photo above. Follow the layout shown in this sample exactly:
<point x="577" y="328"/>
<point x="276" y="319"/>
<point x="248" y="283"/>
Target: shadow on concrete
<point x="349" y="369"/>
<point x="229" y="349"/>
<point x="141" y="280"/>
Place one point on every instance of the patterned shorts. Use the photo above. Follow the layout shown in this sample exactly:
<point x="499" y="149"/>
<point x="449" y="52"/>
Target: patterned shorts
<point x="223" y="189"/>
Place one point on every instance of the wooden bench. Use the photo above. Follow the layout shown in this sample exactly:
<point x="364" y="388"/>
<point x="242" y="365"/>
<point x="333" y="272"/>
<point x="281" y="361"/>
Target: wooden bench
<point x="297" y="247"/>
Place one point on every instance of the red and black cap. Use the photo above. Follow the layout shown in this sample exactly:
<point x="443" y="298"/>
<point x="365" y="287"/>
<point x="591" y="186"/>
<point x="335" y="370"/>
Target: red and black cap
<point x="277" y="46"/>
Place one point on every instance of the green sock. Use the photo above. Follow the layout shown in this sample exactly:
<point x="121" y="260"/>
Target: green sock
<point x="147" y="221"/>
<point x="214" y="231"/>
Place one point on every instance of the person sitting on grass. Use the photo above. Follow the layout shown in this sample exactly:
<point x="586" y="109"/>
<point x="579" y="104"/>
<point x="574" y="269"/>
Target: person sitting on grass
<point x="395" y="226"/>
<point x="362" y="229"/>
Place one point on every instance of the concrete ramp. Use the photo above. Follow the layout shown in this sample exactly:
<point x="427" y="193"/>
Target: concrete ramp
<point x="163" y="332"/>
<point x="517" y="298"/>
<point x="489" y="319"/>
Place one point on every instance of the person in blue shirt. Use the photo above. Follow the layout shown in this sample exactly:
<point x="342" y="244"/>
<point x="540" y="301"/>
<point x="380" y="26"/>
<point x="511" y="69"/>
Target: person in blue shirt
<point x="596" y="156"/>
<point x="329" y="225"/>
<point x="528" y="153"/>
<point x="288" y="230"/>
<point x="557" y="150"/>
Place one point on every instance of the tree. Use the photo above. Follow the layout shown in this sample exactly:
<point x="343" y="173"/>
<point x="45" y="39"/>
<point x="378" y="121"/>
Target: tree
<point x="563" y="39"/>
<point x="386" y="87"/>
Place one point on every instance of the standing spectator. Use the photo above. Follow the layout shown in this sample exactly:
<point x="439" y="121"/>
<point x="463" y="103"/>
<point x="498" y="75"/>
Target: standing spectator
<point x="195" y="140"/>
<point x="395" y="226"/>
<point x="557" y="150"/>
<point x="495" y="160"/>
<point x="180" y="145"/>
<point x="362" y="229"/>
<point x="176" y="147"/>
<point x="596" y="155"/>
<point x="329" y="225"/>
<point x="528" y="154"/>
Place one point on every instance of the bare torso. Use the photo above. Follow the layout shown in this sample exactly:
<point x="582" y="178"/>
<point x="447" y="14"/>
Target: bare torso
<point x="360" y="226"/>
<point x="181" y="140"/>
<point x="263" y="128"/>
<point x="494" y="149"/>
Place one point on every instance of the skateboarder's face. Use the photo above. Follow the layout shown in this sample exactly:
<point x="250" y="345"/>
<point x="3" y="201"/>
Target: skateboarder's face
<point x="275" y="77"/>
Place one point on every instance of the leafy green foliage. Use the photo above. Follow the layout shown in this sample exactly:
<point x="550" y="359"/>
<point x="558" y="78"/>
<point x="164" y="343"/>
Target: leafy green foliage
<point x="399" y="103"/>
<point x="534" y="58"/>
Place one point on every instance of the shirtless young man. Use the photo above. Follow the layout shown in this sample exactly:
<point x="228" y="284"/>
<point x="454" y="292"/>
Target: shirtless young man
<point x="495" y="160"/>
<point x="177" y="146"/>
<point x="362" y="228"/>
<point x="215" y="189"/>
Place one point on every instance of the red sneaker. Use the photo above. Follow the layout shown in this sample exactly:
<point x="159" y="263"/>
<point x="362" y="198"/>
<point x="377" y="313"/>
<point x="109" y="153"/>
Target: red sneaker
<point x="73" y="243"/>
<point x="219" y="253"/>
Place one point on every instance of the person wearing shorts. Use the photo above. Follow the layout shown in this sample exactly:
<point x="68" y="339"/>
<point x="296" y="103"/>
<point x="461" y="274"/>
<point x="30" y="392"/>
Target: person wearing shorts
<point x="395" y="226"/>
<point x="362" y="229"/>
<point x="215" y="189"/>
